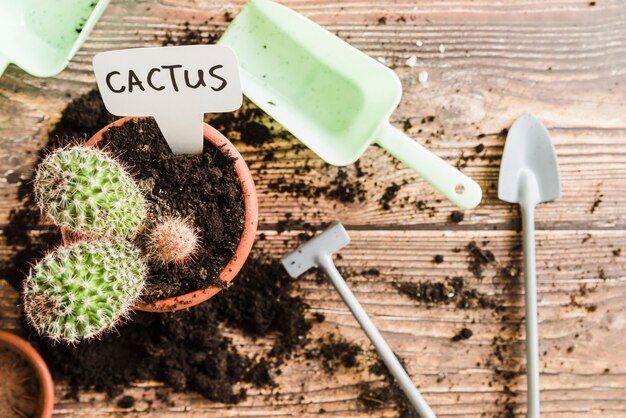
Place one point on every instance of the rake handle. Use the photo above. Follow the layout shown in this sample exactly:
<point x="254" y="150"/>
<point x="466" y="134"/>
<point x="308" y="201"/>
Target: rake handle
<point x="325" y="262"/>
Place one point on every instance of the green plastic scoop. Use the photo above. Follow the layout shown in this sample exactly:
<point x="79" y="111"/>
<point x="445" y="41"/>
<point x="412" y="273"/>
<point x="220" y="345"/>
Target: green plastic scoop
<point x="333" y="97"/>
<point x="41" y="36"/>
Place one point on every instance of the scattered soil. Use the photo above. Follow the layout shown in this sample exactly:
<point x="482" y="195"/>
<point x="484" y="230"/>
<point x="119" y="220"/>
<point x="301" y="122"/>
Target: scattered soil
<point x="423" y="206"/>
<point x="457" y="216"/>
<point x="126" y="402"/>
<point x="390" y="193"/>
<point x="344" y="187"/>
<point x="203" y="188"/>
<point x="451" y="290"/>
<point x="19" y="391"/>
<point x="505" y="348"/>
<point x="262" y="304"/>
<point x="256" y="129"/>
<point x="290" y="223"/>
<point x="377" y="395"/>
<point x="479" y="258"/>
<point x="596" y="203"/>
<point x="81" y="119"/>
<point x="463" y="334"/>
<point x="335" y="352"/>
<point x="190" y="36"/>
<point x="506" y="369"/>
<point x="583" y="291"/>
<point x="248" y="124"/>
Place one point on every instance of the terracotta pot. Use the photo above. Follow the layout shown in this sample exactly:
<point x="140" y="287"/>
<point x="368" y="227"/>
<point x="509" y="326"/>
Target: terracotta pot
<point x="247" y="237"/>
<point x="46" y="386"/>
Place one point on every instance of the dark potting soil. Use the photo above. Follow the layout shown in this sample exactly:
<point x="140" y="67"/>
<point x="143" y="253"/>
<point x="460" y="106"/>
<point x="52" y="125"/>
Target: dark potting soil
<point x="248" y="124"/>
<point x="457" y="216"/>
<point x="188" y="35"/>
<point x="335" y="352"/>
<point x="187" y="350"/>
<point x="451" y="290"/>
<point x="252" y="126"/>
<point x="462" y="334"/>
<point x="126" y="402"/>
<point x="374" y="396"/>
<point x="344" y="187"/>
<point x="81" y="119"/>
<point x="479" y="258"/>
<point x="390" y="193"/>
<point x="202" y="188"/>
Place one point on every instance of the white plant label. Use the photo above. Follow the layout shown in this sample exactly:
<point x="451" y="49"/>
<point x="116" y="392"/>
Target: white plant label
<point x="176" y="85"/>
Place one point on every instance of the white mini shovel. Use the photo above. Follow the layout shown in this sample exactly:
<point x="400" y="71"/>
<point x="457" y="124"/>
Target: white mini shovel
<point x="529" y="175"/>
<point x="318" y="252"/>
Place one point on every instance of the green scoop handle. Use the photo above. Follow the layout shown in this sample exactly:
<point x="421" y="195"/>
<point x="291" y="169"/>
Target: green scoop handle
<point x="456" y="186"/>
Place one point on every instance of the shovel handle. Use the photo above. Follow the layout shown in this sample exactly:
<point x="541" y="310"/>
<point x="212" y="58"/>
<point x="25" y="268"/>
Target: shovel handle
<point x="456" y="186"/>
<point x="528" y="199"/>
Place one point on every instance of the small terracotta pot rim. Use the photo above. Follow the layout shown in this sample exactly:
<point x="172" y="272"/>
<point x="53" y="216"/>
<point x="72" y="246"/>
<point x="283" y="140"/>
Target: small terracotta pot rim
<point x="46" y="385"/>
<point x="249" y="229"/>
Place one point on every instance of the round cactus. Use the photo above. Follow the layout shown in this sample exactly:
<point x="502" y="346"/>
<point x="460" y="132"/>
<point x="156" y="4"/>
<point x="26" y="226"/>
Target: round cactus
<point x="78" y="291"/>
<point x="87" y="191"/>
<point x="174" y="240"/>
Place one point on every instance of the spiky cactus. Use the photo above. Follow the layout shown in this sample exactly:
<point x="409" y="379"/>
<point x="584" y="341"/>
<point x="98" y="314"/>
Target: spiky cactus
<point x="174" y="240"/>
<point x="78" y="291"/>
<point x="88" y="192"/>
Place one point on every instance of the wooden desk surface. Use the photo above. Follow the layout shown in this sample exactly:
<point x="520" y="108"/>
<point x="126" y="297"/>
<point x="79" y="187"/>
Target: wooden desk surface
<point x="564" y="61"/>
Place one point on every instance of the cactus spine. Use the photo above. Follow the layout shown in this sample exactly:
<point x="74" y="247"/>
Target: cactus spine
<point x="78" y="291"/>
<point x="87" y="191"/>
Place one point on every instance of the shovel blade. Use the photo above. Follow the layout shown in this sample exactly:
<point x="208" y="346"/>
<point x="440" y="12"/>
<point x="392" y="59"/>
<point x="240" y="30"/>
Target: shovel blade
<point x="529" y="149"/>
<point x="42" y="36"/>
<point x="331" y="96"/>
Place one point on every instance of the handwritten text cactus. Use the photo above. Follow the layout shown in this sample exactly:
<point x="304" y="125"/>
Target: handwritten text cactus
<point x="87" y="191"/>
<point x="79" y="291"/>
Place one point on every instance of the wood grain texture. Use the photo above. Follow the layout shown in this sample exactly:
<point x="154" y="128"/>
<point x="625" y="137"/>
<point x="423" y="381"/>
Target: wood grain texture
<point x="564" y="61"/>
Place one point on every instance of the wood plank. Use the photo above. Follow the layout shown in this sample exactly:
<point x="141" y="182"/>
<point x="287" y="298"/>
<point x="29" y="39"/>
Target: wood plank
<point x="574" y="383"/>
<point x="590" y="173"/>
<point x="504" y="73"/>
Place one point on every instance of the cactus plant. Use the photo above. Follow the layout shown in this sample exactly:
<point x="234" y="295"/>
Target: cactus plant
<point x="88" y="192"/>
<point x="174" y="240"/>
<point x="78" y="291"/>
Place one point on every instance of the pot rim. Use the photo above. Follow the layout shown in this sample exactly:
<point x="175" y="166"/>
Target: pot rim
<point x="46" y="384"/>
<point x="251" y="209"/>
